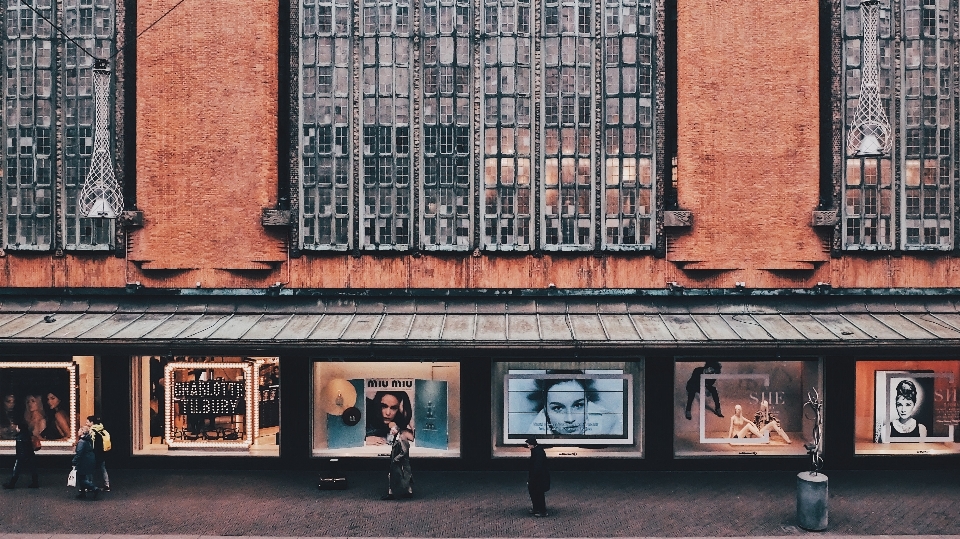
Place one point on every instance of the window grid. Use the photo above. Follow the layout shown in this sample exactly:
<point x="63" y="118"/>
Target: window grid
<point x="386" y="110"/>
<point x="507" y="42"/>
<point x="39" y="87"/>
<point x="30" y="151"/>
<point x="89" y="23"/>
<point x="927" y="190"/>
<point x="568" y="207"/>
<point x="325" y="124"/>
<point x="447" y="112"/>
<point x="922" y="120"/>
<point x="627" y="143"/>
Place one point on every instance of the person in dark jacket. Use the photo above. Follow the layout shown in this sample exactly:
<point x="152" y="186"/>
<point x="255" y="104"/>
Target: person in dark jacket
<point x="26" y="458"/>
<point x="538" y="478"/>
<point x="400" y="478"/>
<point x="86" y="464"/>
<point x="97" y="435"/>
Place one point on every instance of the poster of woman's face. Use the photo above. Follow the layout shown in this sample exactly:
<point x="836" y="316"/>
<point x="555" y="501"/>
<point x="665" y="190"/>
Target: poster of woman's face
<point x="38" y="399"/>
<point x="904" y="406"/>
<point x="583" y="408"/>
<point x="389" y="401"/>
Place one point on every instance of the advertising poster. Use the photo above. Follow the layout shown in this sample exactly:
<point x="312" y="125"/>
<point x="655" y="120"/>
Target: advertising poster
<point x="356" y="402"/>
<point x="40" y="397"/>
<point x="414" y="404"/>
<point x="582" y="407"/>
<point x="743" y="408"/>
<point x="913" y="409"/>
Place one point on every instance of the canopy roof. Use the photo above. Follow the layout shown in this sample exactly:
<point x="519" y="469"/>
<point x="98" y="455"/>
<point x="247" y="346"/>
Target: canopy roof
<point x="483" y="321"/>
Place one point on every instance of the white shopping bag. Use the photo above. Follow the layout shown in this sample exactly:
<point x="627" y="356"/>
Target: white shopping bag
<point x="72" y="478"/>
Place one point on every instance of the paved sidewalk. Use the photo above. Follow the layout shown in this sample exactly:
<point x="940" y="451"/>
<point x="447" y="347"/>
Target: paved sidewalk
<point x="191" y="504"/>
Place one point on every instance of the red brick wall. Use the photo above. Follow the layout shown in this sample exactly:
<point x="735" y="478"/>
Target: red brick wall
<point x="748" y="160"/>
<point x="207" y="163"/>
<point x="206" y="134"/>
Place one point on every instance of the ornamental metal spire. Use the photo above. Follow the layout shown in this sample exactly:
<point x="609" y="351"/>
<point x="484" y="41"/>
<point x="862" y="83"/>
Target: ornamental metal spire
<point x="870" y="133"/>
<point x="100" y="196"/>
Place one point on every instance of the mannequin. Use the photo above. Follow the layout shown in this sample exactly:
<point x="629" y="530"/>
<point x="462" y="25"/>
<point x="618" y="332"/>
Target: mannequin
<point x="767" y="422"/>
<point x="741" y="426"/>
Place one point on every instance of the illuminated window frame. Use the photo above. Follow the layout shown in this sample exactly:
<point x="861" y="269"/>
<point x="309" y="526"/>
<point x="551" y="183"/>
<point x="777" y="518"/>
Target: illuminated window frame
<point x="251" y="419"/>
<point x="73" y="369"/>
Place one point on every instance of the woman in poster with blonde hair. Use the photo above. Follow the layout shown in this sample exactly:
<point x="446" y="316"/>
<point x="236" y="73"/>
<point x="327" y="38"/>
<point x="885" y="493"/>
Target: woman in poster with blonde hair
<point x="33" y="415"/>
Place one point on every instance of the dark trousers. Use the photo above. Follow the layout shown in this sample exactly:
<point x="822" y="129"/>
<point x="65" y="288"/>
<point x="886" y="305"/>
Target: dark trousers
<point x="538" y="498"/>
<point x="709" y="389"/>
<point x="28" y="464"/>
<point x="85" y="482"/>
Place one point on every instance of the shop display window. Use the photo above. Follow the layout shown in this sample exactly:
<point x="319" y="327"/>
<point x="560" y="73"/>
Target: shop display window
<point x="744" y="408"/>
<point x="907" y="407"/>
<point x="571" y="408"/>
<point x="354" y="404"/>
<point x="210" y="405"/>
<point x="47" y="397"/>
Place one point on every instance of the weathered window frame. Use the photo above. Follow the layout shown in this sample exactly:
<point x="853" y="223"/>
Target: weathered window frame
<point x="905" y="199"/>
<point x="508" y="125"/>
<point x="568" y="131"/>
<point x="325" y="125"/>
<point x="387" y="124"/>
<point x="61" y="111"/>
<point x="503" y="126"/>
<point x="446" y="189"/>
<point x="630" y="149"/>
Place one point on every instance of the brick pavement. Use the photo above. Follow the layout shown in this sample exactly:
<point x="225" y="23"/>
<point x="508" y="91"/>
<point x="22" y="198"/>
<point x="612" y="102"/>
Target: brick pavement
<point x="482" y="504"/>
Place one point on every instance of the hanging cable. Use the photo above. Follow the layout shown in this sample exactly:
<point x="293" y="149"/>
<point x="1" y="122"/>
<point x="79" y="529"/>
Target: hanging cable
<point x="79" y="46"/>
<point x="57" y="28"/>
<point x="161" y="18"/>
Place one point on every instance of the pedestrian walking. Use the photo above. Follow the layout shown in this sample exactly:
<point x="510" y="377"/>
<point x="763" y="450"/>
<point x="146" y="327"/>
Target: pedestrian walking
<point x="400" y="479"/>
<point x="538" y="478"/>
<point x="101" y="444"/>
<point x="85" y="462"/>
<point x="26" y="457"/>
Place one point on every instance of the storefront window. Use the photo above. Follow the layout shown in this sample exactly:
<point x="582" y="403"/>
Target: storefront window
<point x="907" y="407"/>
<point x="48" y="398"/>
<point x="354" y="404"/>
<point x="571" y="408"/>
<point x="190" y="404"/>
<point x="743" y="408"/>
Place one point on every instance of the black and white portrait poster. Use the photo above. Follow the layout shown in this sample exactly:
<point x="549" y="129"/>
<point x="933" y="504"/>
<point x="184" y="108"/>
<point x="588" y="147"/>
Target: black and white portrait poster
<point x="905" y="407"/>
<point x="580" y="408"/>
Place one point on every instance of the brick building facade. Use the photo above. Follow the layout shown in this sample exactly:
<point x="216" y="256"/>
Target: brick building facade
<point x="218" y="130"/>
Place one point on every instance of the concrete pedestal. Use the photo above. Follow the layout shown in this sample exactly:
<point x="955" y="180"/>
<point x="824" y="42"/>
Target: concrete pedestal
<point x="812" y="501"/>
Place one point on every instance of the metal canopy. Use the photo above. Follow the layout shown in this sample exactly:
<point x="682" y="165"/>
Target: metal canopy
<point x="483" y="321"/>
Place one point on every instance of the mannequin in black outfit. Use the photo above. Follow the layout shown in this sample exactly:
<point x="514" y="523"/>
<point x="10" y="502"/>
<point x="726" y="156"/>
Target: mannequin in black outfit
<point x="693" y="387"/>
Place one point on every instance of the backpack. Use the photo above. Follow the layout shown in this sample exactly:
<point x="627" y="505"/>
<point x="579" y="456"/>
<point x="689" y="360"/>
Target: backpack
<point x="101" y="440"/>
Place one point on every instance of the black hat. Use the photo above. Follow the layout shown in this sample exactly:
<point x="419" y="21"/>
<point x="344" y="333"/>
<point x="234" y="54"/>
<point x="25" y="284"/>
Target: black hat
<point x="530" y="441"/>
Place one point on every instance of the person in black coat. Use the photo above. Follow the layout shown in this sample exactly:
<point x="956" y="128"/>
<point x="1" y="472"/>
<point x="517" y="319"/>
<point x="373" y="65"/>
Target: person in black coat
<point x="85" y="462"/>
<point x="538" y="478"/>
<point x="26" y="458"/>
